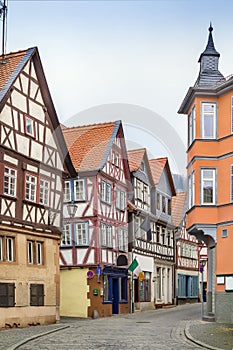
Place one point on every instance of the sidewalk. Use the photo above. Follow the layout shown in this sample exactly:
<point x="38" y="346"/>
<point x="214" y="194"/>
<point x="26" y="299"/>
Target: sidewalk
<point x="11" y="339"/>
<point x="210" y="335"/>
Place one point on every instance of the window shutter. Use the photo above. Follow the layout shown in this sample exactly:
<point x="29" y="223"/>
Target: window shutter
<point x="7" y="294"/>
<point x="11" y="294"/>
<point x="37" y="295"/>
<point x="33" y="295"/>
<point x="40" y="294"/>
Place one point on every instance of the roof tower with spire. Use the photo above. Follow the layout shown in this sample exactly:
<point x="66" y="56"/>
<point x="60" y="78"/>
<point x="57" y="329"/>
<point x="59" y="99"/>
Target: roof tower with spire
<point x="209" y="74"/>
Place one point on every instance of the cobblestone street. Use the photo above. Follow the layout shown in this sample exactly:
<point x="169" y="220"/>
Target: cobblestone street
<point x="157" y="329"/>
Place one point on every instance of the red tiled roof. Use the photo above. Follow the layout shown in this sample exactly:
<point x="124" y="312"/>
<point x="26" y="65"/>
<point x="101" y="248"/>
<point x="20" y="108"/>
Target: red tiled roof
<point x="135" y="158"/>
<point x="87" y="144"/>
<point x="178" y="207"/>
<point x="157" y="165"/>
<point x="8" y="64"/>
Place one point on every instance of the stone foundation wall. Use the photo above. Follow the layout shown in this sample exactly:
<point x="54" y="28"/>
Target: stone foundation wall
<point x="224" y="307"/>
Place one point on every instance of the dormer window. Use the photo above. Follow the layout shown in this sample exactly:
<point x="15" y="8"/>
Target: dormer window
<point x="29" y="126"/>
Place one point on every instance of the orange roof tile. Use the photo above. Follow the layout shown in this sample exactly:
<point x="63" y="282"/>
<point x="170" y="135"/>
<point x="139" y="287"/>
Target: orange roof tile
<point x="87" y="145"/>
<point x="178" y="207"/>
<point x="135" y="158"/>
<point x="157" y="165"/>
<point x="8" y="64"/>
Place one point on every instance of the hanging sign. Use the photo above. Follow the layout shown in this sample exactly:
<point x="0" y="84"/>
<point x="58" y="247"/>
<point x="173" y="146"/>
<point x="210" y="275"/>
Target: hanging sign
<point x="90" y="274"/>
<point x="141" y="276"/>
<point x="99" y="270"/>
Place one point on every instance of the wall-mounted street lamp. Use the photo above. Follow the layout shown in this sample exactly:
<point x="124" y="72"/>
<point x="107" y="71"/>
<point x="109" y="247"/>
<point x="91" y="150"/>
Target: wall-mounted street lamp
<point x="202" y="265"/>
<point x="71" y="209"/>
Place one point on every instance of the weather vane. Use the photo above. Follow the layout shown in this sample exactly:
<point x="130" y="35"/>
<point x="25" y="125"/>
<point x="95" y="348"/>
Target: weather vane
<point x="3" y="16"/>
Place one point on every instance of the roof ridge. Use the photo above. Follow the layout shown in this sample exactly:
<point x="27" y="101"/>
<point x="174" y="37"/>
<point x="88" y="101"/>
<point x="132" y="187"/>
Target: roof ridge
<point x="68" y="128"/>
<point x="160" y="158"/>
<point x="16" y="53"/>
<point x="137" y="150"/>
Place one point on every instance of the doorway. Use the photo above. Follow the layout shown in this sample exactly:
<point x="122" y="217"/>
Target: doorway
<point x="115" y="296"/>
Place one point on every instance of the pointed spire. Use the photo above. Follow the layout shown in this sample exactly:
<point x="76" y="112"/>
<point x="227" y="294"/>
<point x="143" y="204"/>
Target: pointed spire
<point x="209" y="73"/>
<point x="210" y="49"/>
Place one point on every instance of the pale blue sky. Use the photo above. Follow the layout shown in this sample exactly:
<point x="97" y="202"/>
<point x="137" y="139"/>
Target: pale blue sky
<point x="136" y="52"/>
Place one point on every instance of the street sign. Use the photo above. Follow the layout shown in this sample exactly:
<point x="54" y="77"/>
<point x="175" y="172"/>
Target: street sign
<point x="90" y="274"/>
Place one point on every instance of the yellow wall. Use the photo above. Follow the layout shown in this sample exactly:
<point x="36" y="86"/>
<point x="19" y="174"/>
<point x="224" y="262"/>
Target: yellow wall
<point x="73" y="292"/>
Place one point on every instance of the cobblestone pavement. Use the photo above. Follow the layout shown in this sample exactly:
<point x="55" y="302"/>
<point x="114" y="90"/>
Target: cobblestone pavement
<point x="156" y="329"/>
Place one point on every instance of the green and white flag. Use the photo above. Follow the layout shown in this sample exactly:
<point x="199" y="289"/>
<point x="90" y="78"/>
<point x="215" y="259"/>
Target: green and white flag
<point x="133" y="265"/>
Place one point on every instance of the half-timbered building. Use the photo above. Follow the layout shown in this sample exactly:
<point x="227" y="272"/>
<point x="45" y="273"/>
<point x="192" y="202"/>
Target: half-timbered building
<point x="151" y="230"/>
<point x="163" y="231"/>
<point x="33" y="165"/>
<point x="187" y="255"/>
<point x="94" y="249"/>
<point x="140" y="244"/>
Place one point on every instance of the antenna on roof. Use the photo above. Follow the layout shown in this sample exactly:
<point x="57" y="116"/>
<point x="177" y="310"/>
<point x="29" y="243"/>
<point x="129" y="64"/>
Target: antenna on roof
<point x="3" y="15"/>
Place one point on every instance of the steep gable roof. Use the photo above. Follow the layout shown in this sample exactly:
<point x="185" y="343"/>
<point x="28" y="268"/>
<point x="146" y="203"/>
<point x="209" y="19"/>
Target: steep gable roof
<point x="178" y="208"/>
<point x="11" y="66"/>
<point x="157" y="166"/>
<point x="90" y="145"/>
<point x="135" y="157"/>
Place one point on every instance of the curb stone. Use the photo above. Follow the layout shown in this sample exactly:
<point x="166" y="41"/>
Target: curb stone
<point x="198" y="342"/>
<point x="26" y="340"/>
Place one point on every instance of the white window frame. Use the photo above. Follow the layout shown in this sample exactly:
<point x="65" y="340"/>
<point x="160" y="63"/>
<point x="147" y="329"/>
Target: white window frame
<point x="192" y="126"/>
<point x="67" y="191"/>
<point x="109" y="236"/>
<point x="120" y="199"/>
<point x="29" y="126"/>
<point x="122" y="239"/>
<point x="79" y="190"/>
<point x="117" y="159"/>
<point x="213" y="115"/>
<point x="191" y="190"/>
<point x="10" y="249"/>
<point x="164" y="204"/>
<point x="103" y="234"/>
<point x="44" y="192"/>
<point x="66" y="239"/>
<point x="10" y="181"/>
<point x="209" y="179"/>
<point x="113" y="157"/>
<point x="39" y="253"/>
<point x="158" y="201"/>
<point x="106" y="192"/>
<point x="82" y="234"/>
<point x="106" y="235"/>
<point x="145" y="193"/>
<point x="31" y="185"/>
<point x="30" y="249"/>
<point x="224" y="233"/>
